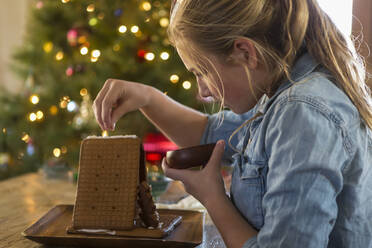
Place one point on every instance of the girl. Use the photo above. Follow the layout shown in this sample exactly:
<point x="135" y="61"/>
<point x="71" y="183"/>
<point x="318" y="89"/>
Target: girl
<point x="298" y="128"/>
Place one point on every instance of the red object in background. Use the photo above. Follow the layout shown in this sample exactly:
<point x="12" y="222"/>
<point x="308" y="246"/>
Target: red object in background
<point x="141" y="53"/>
<point x="156" y="146"/>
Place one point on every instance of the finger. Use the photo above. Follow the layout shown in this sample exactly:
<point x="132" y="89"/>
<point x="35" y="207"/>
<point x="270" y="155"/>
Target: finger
<point x="97" y="105"/>
<point x="109" y="101"/>
<point x="217" y="154"/>
<point x="175" y="174"/>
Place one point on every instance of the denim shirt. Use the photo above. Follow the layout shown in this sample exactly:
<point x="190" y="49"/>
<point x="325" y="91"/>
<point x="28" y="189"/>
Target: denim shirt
<point x="303" y="176"/>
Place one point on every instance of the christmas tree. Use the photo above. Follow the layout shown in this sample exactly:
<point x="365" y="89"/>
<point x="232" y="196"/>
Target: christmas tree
<point x="71" y="48"/>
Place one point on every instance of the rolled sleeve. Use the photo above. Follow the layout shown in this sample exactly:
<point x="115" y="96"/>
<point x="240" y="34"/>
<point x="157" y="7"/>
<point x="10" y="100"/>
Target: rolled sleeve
<point x="215" y="131"/>
<point x="306" y="154"/>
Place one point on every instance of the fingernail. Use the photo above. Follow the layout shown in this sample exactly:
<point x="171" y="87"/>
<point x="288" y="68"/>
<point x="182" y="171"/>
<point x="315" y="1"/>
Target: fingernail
<point x="221" y="143"/>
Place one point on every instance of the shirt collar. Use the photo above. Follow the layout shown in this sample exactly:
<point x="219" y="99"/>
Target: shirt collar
<point x="304" y="65"/>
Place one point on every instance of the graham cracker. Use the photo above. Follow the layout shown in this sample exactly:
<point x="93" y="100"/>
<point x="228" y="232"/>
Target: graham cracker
<point x="107" y="184"/>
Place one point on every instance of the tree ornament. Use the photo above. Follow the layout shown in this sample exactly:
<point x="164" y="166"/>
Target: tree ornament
<point x="72" y="36"/>
<point x="70" y="71"/>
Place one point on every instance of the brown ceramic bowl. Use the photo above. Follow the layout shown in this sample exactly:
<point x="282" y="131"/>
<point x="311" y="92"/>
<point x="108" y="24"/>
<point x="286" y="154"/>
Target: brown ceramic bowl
<point x="190" y="157"/>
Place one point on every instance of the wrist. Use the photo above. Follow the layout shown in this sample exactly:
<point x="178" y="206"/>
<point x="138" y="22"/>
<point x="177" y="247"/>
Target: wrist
<point x="149" y="93"/>
<point x="215" y="200"/>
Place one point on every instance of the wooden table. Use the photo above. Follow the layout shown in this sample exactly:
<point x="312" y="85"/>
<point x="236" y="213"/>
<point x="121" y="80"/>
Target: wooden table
<point x="25" y="199"/>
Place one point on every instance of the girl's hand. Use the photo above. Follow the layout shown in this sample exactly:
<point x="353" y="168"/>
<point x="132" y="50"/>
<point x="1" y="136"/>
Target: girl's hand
<point x="116" y="98"/>
<point x="205" y="185"/>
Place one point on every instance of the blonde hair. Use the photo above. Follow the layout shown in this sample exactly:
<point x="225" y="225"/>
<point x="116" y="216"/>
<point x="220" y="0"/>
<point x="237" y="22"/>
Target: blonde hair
<point x="278" y="30"/>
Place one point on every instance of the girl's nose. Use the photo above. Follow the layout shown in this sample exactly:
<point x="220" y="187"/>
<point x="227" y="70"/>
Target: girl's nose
<point x="204" y="92"/>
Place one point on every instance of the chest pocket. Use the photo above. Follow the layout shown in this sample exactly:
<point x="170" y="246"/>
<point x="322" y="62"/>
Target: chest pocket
<point x="248" y="188"/>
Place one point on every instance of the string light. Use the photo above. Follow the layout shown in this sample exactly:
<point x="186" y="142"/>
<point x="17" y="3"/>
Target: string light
<point x="26" y="138"/>
<point x="134" y="29"/>
<point x="101" y="16"/>
<point x="186" y="85"/>
<point x="57" y="152"/>
<point x="123" y="29"/>
<point x="164" y="55"/>
<point x="150" y="56"/>
<point x="93" y="21"/>
<point x="90" y="7"/>
<point x="116" y="47"/>
<point x="64" y="102"/>
<point x="34" y="99"/>
<point x="59" y="56"/>
<point x="65" y="1"/>
<point x="164" y="22"/>
<point x="39" y="115"/>
<point x="53" y="110"/>
<point x="4" y="130"/>
<point x="82" y="39"/>
<point x="83" y="92"/>
<point x="32" y="117"/>
<point x="174" y="78"/>
<point x="93" y="59"/>
<point x="96" y="53"/>
<point x="146" y="6"/>
<point x="71" y="106"/>
<point x="84" y="50"/>
<point x="48" y="46"/>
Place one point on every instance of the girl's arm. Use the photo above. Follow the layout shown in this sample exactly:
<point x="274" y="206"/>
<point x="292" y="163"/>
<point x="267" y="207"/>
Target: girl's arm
<point x="181" y="124"/>
<point x="234" y="229"/>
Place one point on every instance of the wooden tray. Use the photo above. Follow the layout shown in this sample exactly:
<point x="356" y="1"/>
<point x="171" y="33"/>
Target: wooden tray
<point x="51" y="230"/>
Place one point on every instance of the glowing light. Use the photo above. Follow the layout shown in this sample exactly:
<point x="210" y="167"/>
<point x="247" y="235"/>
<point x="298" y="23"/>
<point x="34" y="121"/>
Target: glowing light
<point x="26" y="138"/>
<point x="4" y="130"/>
<point x="93" y="21"/>
<point x="164" y="22"/>
<point x="82" y="39"/>
<point x="186" y="85"/>
<point x="48" y="46"/>
<point x="164" y="55"/>
<point x="53" y="110"/>
<point x="150" y="56"/>
<point x="116" y="47"/>
<point x="63" y="104"/>
<point x="39" y="115"/>
<point x="104" y="133"/>
<point x="146" y="6"/>
<point x="134" y="29"/>
<point x="90" y="7"/>
<point x="57" y="152"/>
<point x="71" y="106"/>
<point x="34" y="99"/>
<point x="59" y="56"/>
<point x="84" y="50"/>
<point x="32" y="117"/>
<point x="96" y="53"/>
<point x="93" y="59"/>
<point x="65" y="1"/>
<point x="122" y="29"/>
<point x="174" y="78"/>
<point x="83" y="92"/>
<point x="101" y="16"/>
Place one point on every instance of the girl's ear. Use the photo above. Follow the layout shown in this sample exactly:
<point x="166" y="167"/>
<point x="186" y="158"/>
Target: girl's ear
<point x="245" y="52"/>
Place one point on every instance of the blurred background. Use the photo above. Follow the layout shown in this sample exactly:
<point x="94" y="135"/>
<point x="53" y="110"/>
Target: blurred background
<point x="56" y="55"/>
